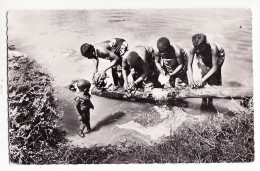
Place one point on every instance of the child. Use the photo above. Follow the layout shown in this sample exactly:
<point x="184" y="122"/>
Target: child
<point x="83" y="103"/>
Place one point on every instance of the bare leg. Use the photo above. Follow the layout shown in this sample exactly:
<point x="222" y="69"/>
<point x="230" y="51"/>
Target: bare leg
<point x="210" y="101"/>
<point x="204" y="104"/>
<point x="211" y="106"/>
<point x="82" y="127"/>
<point x="115" y="76"/>
<point x="88" y="122"/>
<point x="204" y="101"/>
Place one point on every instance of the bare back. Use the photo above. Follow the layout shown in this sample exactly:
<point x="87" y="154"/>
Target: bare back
<point x="104" y="52"/>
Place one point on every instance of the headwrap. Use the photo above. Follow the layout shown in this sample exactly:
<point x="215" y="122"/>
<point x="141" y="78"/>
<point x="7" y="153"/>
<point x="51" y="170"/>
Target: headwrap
<point x="163" y="43"/>
<point x="85" y="48"/>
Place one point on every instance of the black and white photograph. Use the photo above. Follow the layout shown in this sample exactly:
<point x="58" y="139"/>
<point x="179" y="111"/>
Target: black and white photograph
<point x="130" y="86"/>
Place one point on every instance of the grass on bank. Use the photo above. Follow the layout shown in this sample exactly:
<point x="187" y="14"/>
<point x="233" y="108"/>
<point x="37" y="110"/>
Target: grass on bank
<point x="33" y="116"/>
<point x="35" y="137"/>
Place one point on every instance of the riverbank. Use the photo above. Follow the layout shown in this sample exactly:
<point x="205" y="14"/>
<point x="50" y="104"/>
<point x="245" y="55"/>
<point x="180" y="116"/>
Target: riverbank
<point x="36" y="138"/>
<point x="33" y="115"/>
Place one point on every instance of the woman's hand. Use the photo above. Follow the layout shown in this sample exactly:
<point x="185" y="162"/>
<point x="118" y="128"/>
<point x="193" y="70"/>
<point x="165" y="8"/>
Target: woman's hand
<point x="193" y="85"/>
<point x="126" y="85"/>
<point x="103" y="75"/>
<point x="131" y="86"/>
<point x="199" y="84"/>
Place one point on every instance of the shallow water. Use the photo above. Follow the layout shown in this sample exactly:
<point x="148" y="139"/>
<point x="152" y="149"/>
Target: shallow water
<point x="53" y="38"/>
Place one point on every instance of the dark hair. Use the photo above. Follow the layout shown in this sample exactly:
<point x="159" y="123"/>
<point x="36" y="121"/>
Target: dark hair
<point x="199" y="39"/>
<point x="85" y="48"/>
<point x="163" y="43"/>
<point x="132" y="58"/>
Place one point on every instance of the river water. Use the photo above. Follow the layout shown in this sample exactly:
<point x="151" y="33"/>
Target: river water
<point x="53" y="38"/>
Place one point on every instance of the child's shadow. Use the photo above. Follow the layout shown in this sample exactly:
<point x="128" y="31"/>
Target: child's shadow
<point x="108" y="120"/>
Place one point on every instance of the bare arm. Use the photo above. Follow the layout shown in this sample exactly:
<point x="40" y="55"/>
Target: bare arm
<point x="96" y="61"/>
<point x="158" y="64"/>
<point x="215" y="66"/>
<point x="114" y="58"/>
<point x="180" y="62"/>
<point x="124" y="71"/>
<point x="145" y="73"/>
<point x="190" y="61"/>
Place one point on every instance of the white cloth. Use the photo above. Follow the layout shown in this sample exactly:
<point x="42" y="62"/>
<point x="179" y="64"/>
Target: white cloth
<point x="163" y="79"/>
